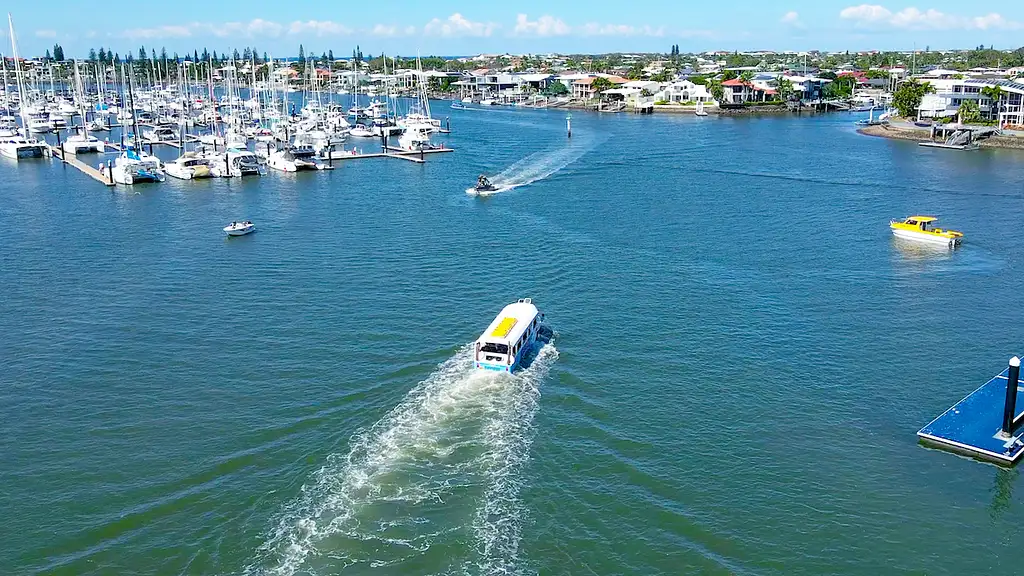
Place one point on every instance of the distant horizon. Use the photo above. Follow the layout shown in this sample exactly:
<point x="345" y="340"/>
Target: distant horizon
<point x="531" y="27"/>
<point x="224" y="55"/>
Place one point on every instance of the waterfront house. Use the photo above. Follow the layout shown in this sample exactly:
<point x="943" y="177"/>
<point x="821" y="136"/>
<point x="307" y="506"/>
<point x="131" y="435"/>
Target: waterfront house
<point x="685" y="91"/>
<point x="737" y="91"/>
<point x="582" y="88"/>
<point x="951" y="92"/>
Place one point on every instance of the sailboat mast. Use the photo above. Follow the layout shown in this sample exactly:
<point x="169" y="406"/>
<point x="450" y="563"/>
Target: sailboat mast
<point x="17" y="73"/>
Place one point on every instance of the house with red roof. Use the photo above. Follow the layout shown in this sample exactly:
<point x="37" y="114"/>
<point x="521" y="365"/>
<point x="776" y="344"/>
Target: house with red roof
<point x="737" y="91"/>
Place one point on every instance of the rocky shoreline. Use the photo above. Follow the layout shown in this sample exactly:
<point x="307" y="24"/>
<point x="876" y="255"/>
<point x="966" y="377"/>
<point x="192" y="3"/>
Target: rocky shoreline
<point x="924" y="135"/>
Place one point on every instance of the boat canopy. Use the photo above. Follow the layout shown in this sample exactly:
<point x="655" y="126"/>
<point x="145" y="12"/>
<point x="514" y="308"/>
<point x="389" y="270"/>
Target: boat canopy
<point x="923" y="218"/>
<point x="511" y="323"/>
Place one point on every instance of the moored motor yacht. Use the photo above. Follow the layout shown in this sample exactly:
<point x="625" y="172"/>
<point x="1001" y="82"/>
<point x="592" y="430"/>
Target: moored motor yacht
<point x="236" y="163"/>
<point x="919" y="229"/>
<point x="294" y="159"/>
<point x="189" y="166"/>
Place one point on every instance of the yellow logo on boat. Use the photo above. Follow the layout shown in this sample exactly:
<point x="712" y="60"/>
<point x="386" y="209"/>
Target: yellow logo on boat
<point x="503" y="327"/>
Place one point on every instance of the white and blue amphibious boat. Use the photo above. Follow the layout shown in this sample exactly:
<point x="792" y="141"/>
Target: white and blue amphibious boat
<point x="509" y="337"/>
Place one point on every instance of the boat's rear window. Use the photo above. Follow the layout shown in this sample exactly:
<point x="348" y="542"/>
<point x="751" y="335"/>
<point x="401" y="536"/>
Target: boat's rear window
<point x="495" y="348"/>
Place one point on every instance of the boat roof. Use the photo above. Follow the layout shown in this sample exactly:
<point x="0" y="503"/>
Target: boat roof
<point x="922" y="218"/>
<point x="511" y="322"/>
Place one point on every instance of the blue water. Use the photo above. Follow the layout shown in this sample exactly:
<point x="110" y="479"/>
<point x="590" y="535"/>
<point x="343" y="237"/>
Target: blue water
<point x="741" y="357"/>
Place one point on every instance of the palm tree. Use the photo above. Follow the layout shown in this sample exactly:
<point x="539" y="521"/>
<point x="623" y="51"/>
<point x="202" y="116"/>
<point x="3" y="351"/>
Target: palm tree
<point x="994" y="93"/>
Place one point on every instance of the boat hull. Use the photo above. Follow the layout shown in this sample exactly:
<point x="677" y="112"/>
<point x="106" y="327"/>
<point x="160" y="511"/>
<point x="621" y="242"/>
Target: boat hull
<point x="239" y="231"/>
<point x="933" y="239"/>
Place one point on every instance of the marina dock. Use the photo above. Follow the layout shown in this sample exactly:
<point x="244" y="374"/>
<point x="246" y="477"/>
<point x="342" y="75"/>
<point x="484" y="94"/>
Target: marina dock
<point x="985" y="424"/>
<point x="72" y="160"/>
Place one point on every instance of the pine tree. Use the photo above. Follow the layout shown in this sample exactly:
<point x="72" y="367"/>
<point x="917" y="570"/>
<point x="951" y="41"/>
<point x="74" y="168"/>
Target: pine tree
<point x="47" y="58"/>
<point x="235" y="56"/>
<point x="163" y="55"/>
<point x="103" y="55"/>
<point x="246" y="54"/>
<point x="302" y="54"/>
<point x="116" y="59"/>
<point x="206" y="56"/>
<point x="142" y="53"/>
<point x="330" y="55"/>
<point x="58" y="53"/>
<point x="92" y="54"/>
<point x="265" y="59"/>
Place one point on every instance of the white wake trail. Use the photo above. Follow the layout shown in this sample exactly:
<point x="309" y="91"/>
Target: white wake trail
<point x="541" y="165"/>
<point x="460" y="435"/>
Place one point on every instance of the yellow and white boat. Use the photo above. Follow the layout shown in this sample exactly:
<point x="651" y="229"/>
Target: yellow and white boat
<point x="919" y="229"/>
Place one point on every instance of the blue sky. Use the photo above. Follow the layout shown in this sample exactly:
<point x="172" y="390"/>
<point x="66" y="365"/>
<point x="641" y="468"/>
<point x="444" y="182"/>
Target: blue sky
<point x="457" y="28"/>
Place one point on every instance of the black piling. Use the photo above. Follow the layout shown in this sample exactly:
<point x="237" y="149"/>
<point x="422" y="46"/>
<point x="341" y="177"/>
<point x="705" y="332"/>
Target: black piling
<point x="110" y="171"/>
<point x="421" y="154"/>
<point x="330" y="155"/>
<point x="448" y="123"/>
<point x="1010" y="407"/>
<point x="60" y="147"/>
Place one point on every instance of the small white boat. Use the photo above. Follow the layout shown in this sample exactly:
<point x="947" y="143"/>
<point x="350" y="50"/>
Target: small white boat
<point x="240" y="228"/>
<point x="509" y="337"/>
<point x="361" y="131"/>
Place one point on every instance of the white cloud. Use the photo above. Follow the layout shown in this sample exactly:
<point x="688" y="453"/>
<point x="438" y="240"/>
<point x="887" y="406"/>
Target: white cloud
<point x="391" y="30"/>
<point x="544" y="26"/>
<point x="791" y="17"/>
<point x="458" y="25"/>
<point x="875" y="16"/>
<point x="158" y="32"/>
<point x="319" y="28"/>
<point x="254" y="28"/>
<point x="594" y="29"/>
<point x="46" y="33"/>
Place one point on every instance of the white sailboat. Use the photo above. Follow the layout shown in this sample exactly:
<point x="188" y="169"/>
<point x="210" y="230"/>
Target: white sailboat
<point x="18" y="147"/>
<point x="81" y="142"/>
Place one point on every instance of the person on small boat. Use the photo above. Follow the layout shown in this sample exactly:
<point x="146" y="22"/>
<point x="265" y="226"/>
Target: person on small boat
<point x="482" y="183"/>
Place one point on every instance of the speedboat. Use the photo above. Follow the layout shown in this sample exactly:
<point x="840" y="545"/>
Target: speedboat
<point x="294" y="159"/>
<point x="919" y="229"/>
<point x="509" y="337"/>
<point x="189" y="166"/>
<point x="18" y="147"/>
<point x="240" y="228"/>
<point x="456" y="105"/>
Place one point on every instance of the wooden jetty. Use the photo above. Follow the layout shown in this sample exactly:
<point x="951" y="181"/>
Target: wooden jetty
<point x="979" y="426"/>
<point x="72" y="160"/>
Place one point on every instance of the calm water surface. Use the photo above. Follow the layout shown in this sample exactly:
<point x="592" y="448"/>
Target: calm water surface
<point x="741" y="357"/>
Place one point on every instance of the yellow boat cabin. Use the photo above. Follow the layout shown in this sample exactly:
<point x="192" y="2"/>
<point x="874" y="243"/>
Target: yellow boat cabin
<point x="920" y="228"/>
